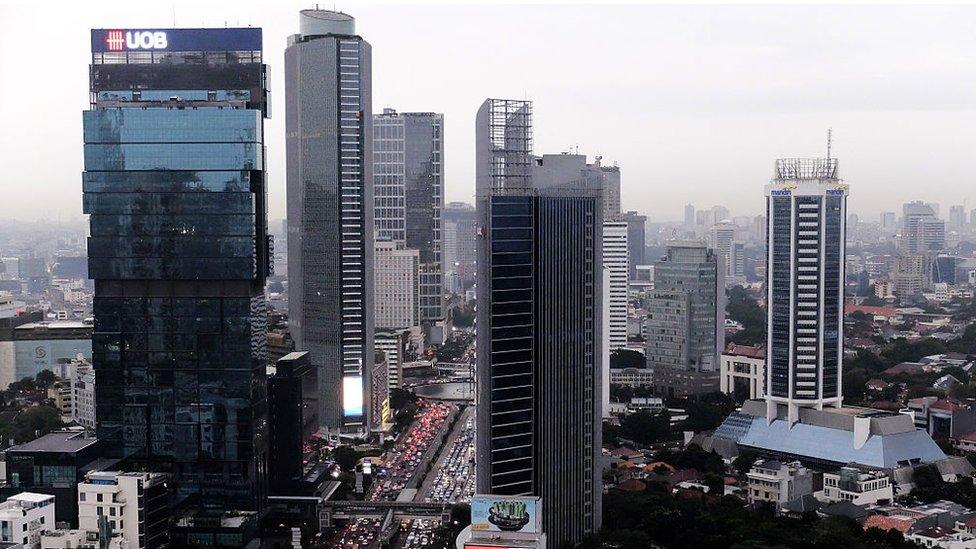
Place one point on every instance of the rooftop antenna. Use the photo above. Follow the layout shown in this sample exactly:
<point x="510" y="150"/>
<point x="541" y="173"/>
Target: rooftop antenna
<point x="830" y="133"/>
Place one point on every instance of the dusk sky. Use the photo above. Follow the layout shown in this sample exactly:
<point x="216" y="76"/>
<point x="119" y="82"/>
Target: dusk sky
<point x="694" y="103"/>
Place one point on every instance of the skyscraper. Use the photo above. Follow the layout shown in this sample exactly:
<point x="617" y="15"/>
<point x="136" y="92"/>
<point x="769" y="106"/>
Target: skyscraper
<point x="175" y="186"/>
<point x="806" y="207"/>
<point x="722" y="239"/>
<point x="689" y="216"/>
<point x="686" y="320"/>
<point x="957" y="217"/>
<point x="636" y="241"/>
<point x="329" y="153"/>
<point x="539" y="315"/>
<point x="615" y="298"/>
<point x="916" y="219"/>
<point x="408" y="171"/>
<point x="611" y="189"/>
<point x="802" y="416"/>
<point x="889" y="223"/>
<point x="460" y="222"/>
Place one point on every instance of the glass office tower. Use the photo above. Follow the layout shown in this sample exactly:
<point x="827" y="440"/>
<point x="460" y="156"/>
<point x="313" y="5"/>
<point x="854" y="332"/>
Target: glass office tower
<point x="175" y="186"/>
<point x="539" y="328"/>
<point x="806" y="207"/>
<point x="329" y="152"/>
<point x="408" y="171"/>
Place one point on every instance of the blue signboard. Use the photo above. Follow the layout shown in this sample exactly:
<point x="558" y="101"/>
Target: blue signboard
<point x="117" y="40"/>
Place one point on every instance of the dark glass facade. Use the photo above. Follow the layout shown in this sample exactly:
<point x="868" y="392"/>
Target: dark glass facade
<point x="780" y="213"/>
<point x="806" y="206"/>
<point x="328" y="144"/>
<point x="423" y="135"/>
<point x="175" y="187"/>
<point x="539" y="334"/>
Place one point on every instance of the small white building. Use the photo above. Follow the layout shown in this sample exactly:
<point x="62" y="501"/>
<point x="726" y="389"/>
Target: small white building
<point x="122" y="499"/>
<point x="856" y="486"/>
<point x="632" y="377"/>
<point x="778" y="482"/>
<point x="24" y="516"/>
<point x="83" y="394"/>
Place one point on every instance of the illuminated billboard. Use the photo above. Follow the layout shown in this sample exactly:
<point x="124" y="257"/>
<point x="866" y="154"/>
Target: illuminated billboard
<point x="506" y="514"/>
<point x="352" y="396"/>
<point x="117" y="40"/>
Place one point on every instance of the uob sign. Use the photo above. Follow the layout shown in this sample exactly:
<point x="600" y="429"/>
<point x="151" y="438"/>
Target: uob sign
<point x="117" y="40"/>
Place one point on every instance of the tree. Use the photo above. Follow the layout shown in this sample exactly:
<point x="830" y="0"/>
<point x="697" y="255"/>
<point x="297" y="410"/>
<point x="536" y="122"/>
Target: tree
<point x="715" y="484"/>
<point x="626" y="358"/>
<point x="25" y="385"/>
<point x="743" y="462"/>
<point x="45" y="378"/>
<point x="708" y="412"/>
<point x="693" y="457"/>
<point x="399" y="398"/>
<point x="644" y="427"/>
<point x="742" y="308"/>
<point x="463" y="317"/>
<point x="34" y="422"/>
<point x="346" y="457"/>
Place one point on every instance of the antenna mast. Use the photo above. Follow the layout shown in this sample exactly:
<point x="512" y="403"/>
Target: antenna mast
<point x="830" y="132"/>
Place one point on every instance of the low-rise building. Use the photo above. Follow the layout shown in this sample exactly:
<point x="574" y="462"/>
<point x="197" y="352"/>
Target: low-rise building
<point x="134" y="504"/>
<point x="60" y="393"/>
<point x="743" y="371"/>
<point x="857" y="486"/>
<point x="24" y="516"/>
<point x="53" y="464"/>
<point x="946" y="538"/>
<point x="778" y="482"/>
<point x="652" y="404"/>
<point x="632" y="377"/>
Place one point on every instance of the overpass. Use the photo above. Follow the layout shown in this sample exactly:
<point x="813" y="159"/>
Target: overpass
<point x="330" y="511"/>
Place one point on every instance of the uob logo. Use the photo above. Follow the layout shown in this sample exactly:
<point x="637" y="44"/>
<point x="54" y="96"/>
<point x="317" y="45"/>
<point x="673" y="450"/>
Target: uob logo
<point x="135" y="40"/>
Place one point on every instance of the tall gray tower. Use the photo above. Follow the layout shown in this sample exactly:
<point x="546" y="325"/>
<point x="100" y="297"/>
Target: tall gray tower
<point x="686" y="320"/>
<point x="539" y="327"/>
<point x="328" y="142"/>
<point x="806" y="205"/>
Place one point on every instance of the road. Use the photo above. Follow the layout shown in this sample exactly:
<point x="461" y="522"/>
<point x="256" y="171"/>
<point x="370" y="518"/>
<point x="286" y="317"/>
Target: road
<point x="409" y="455"/>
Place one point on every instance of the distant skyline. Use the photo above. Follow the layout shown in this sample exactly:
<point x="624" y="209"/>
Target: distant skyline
<point x="694" y="103"/>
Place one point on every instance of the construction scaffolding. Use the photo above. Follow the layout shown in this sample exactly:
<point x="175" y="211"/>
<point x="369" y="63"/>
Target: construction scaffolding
<point x="792" y="169"/>
<point x="510" y="138"/>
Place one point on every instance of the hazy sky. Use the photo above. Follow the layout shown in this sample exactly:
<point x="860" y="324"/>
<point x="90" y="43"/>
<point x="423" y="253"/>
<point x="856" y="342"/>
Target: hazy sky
<point x="693" y="102"/>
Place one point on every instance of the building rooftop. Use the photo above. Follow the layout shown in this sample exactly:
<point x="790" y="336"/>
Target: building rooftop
<point x="58" y="441"/>
<point x="31" y="497"/>
<point x="900" y="523"/>
<point x="745" y="350"/>
<point x="827" y="437"/>
<point x="54" y="325"/>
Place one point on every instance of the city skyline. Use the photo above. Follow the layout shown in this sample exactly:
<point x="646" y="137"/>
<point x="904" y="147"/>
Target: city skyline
<point x="723" y="93"/>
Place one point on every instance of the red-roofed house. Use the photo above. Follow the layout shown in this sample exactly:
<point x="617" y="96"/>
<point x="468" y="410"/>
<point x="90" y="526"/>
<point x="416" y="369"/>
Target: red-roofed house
<point x="879" y="314"/>
<point x="966" y="443"/>
<point x="901" y="523"/>
<point x="632" y="485"/>
<point x="876" y="385"/>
